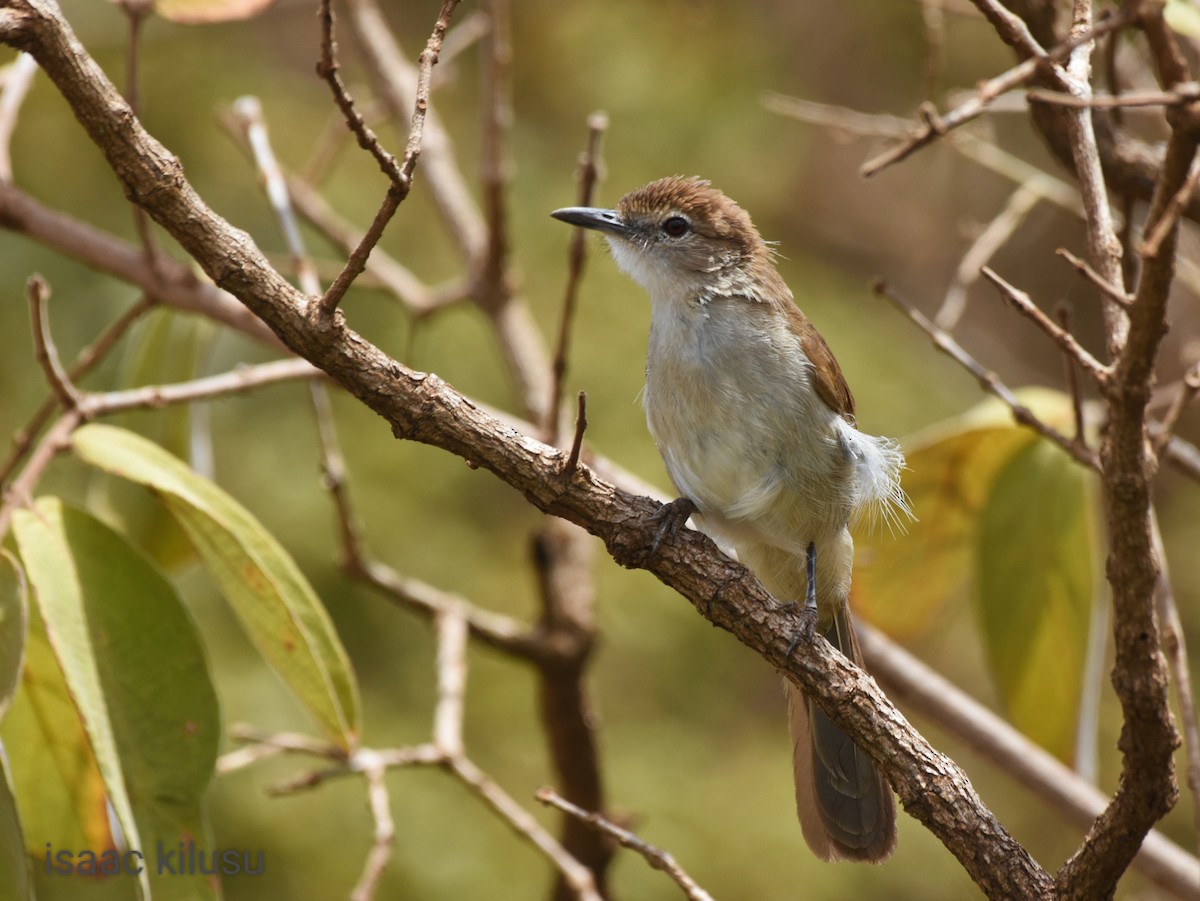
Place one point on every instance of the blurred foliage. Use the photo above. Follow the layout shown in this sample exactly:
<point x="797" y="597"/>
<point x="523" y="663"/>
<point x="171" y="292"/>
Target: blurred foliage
<point x="693" y="739"/>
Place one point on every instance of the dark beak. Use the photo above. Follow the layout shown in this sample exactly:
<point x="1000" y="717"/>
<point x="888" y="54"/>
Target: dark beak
<point x="589" y="217"/>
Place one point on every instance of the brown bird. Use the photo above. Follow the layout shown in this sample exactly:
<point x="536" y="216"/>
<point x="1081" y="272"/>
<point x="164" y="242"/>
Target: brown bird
<point x="755" y="423"/>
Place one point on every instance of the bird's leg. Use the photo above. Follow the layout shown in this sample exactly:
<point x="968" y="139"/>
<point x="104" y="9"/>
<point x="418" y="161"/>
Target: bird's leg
<point x="808" y="614"/>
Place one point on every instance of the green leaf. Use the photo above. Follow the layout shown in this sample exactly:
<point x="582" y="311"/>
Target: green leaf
<point x="13" y="627"/>
<point x="59" y="788"/>
<point x="137" y="674"/>
<point x="165" y="348"/>
<point x="14" y="865"/>
<point x="276" y="605"/>
<point x="1035" y="590"/>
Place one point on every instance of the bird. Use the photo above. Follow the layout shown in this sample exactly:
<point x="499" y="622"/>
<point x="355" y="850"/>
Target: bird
<point x="756" y="426"/>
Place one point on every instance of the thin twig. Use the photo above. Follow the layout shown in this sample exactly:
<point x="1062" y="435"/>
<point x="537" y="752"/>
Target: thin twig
<point x="1072" y="379"/>
<point x="1064" y="339"/>
<point x="236" y="381"/>
<point x="1175" y="648"/>
<point x="327" y="68"/>
<point x="577" y="876"/>
<point x="1020" y="203"/>
<point x="589" y="171"/>
<point x="1104" y="247"/>
<point x="989" y="381"/>
<point x="20" y="492"/>
<point x="933" y="17"/>
<point x="38" y="293"/>
<point x="136" y="12"/>
<point x="572" y="462"/>
<point x="1112" y="292"/>
<point x="494" y="288"/>
<point x="248" y="116"/>
<point x="1170" y="218"/>
<point x="399" y="174"/>
<point x="17" y="82"/>
<point x="385" y="831"/>
<point x="358" y="258"/>
<point x="395" y="277"/>
<point x="87" y="358"/>
<point x="451" y="680"/>
<point x="934" y="125"/>
<point x="656" y="857"/>
<point x="1188" y="388"/>
<point x="1181" y="96"/>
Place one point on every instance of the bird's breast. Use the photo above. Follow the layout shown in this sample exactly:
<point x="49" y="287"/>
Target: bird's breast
<point x="730" y="402"/>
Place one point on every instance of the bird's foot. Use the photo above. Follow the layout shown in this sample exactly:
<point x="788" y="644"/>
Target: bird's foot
<point x="669" y="519"/>
<point x="806" y="625"/>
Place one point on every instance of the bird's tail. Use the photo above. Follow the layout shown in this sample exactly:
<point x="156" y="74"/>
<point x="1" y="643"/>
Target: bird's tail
<point x="845" y="805"/>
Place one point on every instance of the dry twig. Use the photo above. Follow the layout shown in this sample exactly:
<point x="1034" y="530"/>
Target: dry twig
<point x="656" y="857"/>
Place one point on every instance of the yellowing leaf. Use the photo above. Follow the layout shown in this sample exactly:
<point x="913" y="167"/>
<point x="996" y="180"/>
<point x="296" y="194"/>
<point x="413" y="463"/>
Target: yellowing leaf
<point x="59" y="790"/>
<point x="902" y="582"/>
<point x="136" y="672"/>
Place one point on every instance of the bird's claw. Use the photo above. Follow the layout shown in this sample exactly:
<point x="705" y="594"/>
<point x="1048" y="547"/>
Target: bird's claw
<point x="669" y="519"/>
<point x="806" y="626"/>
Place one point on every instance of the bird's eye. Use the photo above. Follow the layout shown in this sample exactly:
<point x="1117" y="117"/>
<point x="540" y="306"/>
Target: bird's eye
<point x="676" y="226"/>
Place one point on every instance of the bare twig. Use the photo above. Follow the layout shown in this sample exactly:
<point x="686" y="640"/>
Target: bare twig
<point x="1072" y="379"/>
<point x="327" y="68"/>
<point x="934" y="125"/>
<point x="236" y="381"/>
<point x="989" y="381"/>
<point x="989" y="242"/>
<point x="494" y="288"/>
<point x="20" y="492"/>
<point x="1181" y="96"/>
<point x="1104" y="247"/>
<point x="397" y="278"/>
<point x="396" y="82"/>
<point x="1064" y="339"/>
<point x="656" y="857"/>
<point x="577" y="876"/>
<point x="1112" y="292"/>
<point x="87" y="358"/>
<point x="577" y="442"/>
<point x="17" y="82"/>
<point x="400" y="174"/>
<point x="1170" y="218"/>
<point x="248" y="115"/>
<point x="38" y="293"/>
<point x="589" y="170"/>
<point x="933" y="17"/>
<point x="451" y="679"/>
<point x="374" y="771"/>
<point x="1189" y="385"/>
<point x="1175" y="647"/>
